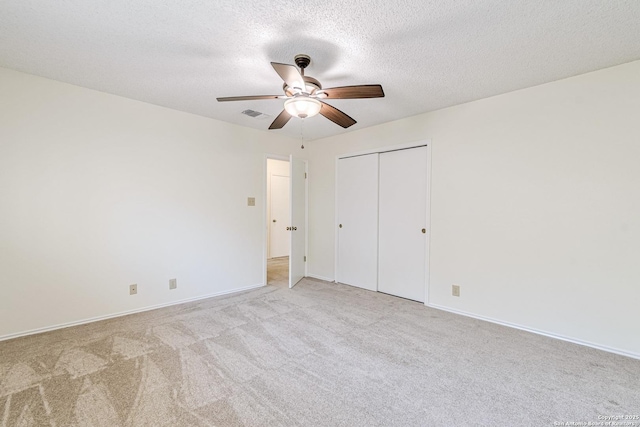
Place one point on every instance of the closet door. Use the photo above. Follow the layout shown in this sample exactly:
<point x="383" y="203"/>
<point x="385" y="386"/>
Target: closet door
<point x="357" y="186"/>
<point x="402" y="216"/>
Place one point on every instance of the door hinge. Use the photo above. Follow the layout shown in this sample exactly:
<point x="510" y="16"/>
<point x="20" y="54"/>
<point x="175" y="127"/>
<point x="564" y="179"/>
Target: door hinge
<point x="305" y="175"/>
<point x="305" y="258"/>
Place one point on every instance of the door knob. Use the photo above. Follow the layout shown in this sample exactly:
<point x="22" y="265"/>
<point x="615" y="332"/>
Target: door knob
<point x="294" y="228"/>
<point x="424" y="231"/>
<point x="274" y="220"/>
<point x="340" y="226"/>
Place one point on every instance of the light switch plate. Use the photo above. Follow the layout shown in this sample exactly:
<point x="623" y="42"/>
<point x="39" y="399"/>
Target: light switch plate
<point x="173" y="283"/>
<point x="133" y="289"/>
<point x="251" y="201"/>
<point x="455" y="290"/>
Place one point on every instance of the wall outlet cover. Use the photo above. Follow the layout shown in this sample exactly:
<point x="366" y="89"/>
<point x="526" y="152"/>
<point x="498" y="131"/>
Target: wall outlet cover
<point x="455" y="290"/>
<point x="133" y="289"/>
<point x="251" y="201"/>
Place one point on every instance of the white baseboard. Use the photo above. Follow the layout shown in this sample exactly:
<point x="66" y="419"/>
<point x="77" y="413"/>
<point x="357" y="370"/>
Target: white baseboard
<point x="326" y="279"/>
<point x="123" y="313"/>
<point x="536" y="331"/>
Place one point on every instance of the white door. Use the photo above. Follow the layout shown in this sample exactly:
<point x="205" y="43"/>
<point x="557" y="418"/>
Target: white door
<point x="357" y="188"/>
<point x="402" y="216"/>
<point x="297" y="190"/>
<point x="279" y="216"/>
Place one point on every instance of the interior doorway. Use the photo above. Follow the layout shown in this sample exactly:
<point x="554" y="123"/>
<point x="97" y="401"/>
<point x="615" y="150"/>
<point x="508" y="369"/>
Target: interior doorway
<point x="278" y="221"/>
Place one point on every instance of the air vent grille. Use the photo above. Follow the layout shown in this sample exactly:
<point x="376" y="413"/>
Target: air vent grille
<point x="252" y="113"/>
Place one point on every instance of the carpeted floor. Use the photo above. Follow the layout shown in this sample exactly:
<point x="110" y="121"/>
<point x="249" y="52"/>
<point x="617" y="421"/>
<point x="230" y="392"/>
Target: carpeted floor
<point x="320" y="354"/>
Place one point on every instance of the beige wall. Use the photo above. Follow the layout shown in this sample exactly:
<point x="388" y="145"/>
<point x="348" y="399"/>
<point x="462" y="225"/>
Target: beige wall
<point x="535" y="206"/>
<point x="99" y="192"/>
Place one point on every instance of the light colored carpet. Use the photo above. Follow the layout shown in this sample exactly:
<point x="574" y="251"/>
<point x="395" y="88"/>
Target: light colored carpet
<point x="320" y="354"/>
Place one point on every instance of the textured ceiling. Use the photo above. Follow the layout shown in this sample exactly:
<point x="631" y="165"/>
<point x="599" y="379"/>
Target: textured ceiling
<point x="426" y="54"/>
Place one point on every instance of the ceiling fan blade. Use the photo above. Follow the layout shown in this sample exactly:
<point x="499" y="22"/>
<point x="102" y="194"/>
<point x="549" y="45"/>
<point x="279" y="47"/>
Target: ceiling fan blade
<point x="354" y="92"/>
<point x="281" y="120"/>
<point x="249" y="98"/>
<point x="290" y="74"/>
<point x="336" y="116"/>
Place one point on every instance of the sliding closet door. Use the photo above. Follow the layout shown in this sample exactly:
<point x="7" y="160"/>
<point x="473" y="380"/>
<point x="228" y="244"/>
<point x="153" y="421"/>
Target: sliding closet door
<point x="402" y="216"/>
<point x="357" y="188"/>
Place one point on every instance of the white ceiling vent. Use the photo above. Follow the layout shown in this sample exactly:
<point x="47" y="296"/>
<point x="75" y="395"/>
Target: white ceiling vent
<point x="255" y="114"/>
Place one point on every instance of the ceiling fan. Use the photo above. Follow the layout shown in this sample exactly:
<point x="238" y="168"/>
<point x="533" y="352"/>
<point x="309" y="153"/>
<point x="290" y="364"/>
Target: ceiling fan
<point x="304" y="95"/>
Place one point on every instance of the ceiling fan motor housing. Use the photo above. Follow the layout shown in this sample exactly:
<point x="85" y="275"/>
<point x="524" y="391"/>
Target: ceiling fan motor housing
<point x="311" y="86"/>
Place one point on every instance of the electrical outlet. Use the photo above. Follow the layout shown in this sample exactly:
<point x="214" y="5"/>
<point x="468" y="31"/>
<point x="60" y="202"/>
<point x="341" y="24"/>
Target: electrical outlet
<point x="133" y="289"/>
<point x="173" y="283"/>
<point x="251" y="201"/>
<point x="455" y="290"/>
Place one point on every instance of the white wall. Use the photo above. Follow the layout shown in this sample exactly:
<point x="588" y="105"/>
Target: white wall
<point x="535" y="206"/>
<point x="98" y="192"/>
<point x="280" y="168"/>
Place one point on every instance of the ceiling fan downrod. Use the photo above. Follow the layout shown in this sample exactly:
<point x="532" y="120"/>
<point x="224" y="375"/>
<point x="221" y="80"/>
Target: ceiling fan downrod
<point x="302" y="61"/>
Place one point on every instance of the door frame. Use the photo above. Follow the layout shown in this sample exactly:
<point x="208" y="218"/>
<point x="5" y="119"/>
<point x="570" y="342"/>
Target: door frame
<point x="404" y="146"/>
<point x="265" y="214"/>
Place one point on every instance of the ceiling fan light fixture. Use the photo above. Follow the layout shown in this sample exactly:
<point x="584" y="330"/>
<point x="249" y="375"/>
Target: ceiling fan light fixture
<point x="302" y="106"/>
